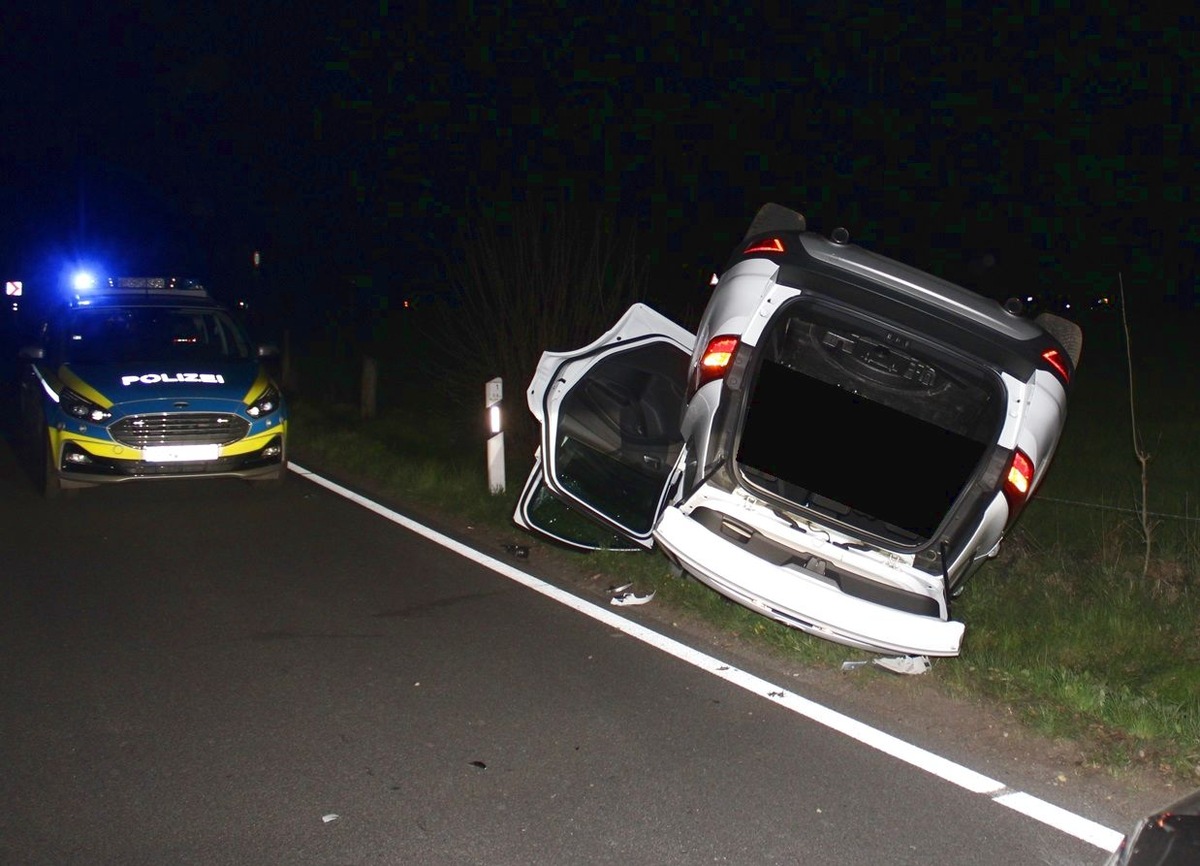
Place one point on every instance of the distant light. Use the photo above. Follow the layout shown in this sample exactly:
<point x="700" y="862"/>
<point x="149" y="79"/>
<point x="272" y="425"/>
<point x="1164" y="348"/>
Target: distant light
<point x="83" y="281"/>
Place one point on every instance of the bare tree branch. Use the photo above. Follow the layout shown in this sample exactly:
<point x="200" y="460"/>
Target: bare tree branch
<point x="1143" y="456"/>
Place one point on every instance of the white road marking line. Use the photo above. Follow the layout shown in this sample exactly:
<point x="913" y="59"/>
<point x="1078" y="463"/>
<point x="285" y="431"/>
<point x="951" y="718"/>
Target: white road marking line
<point x="1047" y="813"/>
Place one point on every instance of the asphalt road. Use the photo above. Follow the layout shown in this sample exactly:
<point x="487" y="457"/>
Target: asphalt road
<point x="206" y="673"/>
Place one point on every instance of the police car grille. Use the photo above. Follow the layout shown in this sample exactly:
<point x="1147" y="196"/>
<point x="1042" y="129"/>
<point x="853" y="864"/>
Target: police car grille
<point x="179" y="428"/>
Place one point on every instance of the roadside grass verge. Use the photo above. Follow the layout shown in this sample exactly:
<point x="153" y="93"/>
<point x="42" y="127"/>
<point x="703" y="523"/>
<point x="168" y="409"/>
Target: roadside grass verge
<point x="1058" y="629"/>
<point x="1084" y="652"/>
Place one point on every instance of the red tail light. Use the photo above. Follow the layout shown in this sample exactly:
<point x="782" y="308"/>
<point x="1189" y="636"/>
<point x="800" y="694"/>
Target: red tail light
<point x="714" y="362"/>
<point x="769" y="245"/>
<point x="1017" y="482"/>
<point x="1054" y="358"/>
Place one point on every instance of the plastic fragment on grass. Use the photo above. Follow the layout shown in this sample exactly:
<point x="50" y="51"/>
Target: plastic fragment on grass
<point x="911" y="665"/>
<point x="628" y="598"/>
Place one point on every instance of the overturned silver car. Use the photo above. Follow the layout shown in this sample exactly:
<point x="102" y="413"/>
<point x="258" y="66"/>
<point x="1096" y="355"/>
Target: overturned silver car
<point x="843" y="442"/>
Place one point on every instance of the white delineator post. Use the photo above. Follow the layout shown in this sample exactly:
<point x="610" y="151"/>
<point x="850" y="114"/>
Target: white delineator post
<point x="493" y="391"/>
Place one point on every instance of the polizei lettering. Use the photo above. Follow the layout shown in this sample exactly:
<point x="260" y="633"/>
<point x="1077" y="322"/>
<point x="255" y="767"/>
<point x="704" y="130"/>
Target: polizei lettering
<point x="156" y="378"/>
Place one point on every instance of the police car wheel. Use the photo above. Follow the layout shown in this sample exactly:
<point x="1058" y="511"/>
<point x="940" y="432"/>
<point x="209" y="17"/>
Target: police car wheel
<point x="271" y="481"/>
<point x="33" y="436"/>
<point x="51" y="487"/>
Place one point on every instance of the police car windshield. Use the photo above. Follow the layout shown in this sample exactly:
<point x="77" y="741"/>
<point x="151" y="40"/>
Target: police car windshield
<point x="106" y="335"/>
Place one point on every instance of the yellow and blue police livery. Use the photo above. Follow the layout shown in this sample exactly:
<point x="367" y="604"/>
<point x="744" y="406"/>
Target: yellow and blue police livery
<point x="150" y="378"/>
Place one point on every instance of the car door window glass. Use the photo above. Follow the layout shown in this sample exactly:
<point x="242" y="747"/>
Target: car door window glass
<point x="618" y="434"/>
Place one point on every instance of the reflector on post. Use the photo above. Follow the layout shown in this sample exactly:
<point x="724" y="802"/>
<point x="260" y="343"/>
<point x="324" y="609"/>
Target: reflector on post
<point x="493" y="392"/>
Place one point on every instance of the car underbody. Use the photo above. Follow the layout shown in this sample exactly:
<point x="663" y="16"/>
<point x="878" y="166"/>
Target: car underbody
<point x="839" y="446"/>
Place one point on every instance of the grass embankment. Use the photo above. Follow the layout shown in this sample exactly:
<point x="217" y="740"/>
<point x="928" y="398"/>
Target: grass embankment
<point x="1064" y="626"/>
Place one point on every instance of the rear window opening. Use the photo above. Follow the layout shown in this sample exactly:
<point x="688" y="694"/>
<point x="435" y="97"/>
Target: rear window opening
<point x="868" y="426"/>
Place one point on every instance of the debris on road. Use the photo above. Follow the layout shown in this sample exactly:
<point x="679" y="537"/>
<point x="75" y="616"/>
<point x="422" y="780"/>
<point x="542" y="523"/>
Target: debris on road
<point x="904" y="664"/>
<point x="624" y="595"/>
<point x="898" y="664"/>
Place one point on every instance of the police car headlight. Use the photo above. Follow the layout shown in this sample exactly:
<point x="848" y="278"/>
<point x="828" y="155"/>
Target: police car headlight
<point x="267" y="402"/>
<point x="81" y="408"/>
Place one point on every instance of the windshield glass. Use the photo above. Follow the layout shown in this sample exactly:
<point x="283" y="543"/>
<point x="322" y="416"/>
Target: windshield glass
<point x="104" y="335"/>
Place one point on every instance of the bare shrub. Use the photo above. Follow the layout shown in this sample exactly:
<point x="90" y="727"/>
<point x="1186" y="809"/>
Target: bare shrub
<point x="539" y="276"/>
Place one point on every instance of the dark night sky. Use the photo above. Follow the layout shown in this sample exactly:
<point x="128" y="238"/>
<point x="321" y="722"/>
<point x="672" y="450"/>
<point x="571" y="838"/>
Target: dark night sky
<point x="1013" y="151"/>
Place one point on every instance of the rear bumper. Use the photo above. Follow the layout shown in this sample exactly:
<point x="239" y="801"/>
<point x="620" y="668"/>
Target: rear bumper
<point x="787" y="595"/>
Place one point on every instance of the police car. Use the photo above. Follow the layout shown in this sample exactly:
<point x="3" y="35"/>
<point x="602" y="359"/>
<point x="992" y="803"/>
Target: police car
<point x="149" y="377"/>
<point x="840" y="445"/>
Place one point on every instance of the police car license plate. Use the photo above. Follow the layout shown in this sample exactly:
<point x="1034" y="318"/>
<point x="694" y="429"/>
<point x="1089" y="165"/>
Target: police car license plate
<point x="179" y="453"/>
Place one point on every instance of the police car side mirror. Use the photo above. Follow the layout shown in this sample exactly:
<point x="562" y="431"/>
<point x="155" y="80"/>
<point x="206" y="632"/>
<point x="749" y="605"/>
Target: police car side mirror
<point x="268" y="350"/>
<point x="31" y="353"/>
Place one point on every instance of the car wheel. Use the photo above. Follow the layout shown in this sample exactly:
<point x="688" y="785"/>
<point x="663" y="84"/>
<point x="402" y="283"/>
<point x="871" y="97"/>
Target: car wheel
<point x="49" y="482"/>
<point x="1066" y="332"/>
<point x="33" y="432"/>
<point x="773" y="217"/>
<point x="272" y="481"/>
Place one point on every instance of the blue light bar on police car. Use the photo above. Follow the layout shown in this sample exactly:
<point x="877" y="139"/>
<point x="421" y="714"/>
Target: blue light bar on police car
<point x="82" y="281"/>
<point x="139" y="282"/>
<point x="156" y="285"/>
